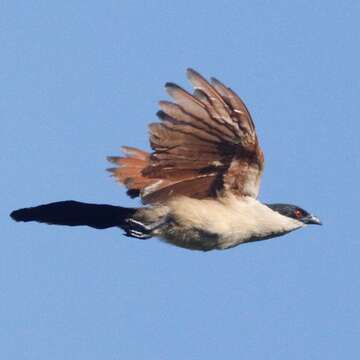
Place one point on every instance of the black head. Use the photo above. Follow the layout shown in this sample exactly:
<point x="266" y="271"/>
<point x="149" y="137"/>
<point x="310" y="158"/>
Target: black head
<point x="295" y="212"/>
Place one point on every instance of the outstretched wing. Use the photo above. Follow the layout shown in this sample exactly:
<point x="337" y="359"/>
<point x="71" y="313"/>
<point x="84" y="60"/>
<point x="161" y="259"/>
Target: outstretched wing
<point x="204" y="144"/>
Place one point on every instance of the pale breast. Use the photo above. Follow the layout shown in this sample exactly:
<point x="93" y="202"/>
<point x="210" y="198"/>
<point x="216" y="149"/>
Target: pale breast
<point x="229" y="220"/>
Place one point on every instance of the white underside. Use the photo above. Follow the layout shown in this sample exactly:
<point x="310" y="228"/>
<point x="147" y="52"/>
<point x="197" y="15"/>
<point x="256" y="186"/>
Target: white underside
<point x="232" y="220"/>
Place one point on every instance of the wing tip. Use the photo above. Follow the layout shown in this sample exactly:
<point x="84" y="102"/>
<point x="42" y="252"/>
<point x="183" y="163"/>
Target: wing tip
<point x="161" y="114"/>
<point x="172" y="89"/>
<point x="170" y="85"/>
<point x="113" y="159"/>
<point x="215" y="81"/>
<point x="190" y="72"/>
<point x="112" y="171"/>
<point x="194" y="75"/>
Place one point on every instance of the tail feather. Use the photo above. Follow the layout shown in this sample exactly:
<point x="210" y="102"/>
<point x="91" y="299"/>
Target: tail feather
<point x="74" y="213"/>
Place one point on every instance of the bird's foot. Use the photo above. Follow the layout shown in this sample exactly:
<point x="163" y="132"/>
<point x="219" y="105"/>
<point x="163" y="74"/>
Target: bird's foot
<point x="139" y="230"/>
<point x="137" y="234"/>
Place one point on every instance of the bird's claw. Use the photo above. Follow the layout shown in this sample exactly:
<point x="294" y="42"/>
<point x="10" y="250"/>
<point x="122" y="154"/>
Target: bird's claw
<point x="137" y="234"/>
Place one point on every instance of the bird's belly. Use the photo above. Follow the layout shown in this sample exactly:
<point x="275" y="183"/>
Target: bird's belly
<point x="196" y="239"/>
<point x="205" y="239"/>
<point x="189" y="238"/>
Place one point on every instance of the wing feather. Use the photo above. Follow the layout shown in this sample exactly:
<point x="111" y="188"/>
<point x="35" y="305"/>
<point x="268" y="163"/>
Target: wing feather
<point x="205" y="144"/>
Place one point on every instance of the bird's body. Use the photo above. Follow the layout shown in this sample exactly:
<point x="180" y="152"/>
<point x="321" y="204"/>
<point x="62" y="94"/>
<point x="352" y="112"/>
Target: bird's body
<point x="218" y="223"/>
<point x="200" y="184"/>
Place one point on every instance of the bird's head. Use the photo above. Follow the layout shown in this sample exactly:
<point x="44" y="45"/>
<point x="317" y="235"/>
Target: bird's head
<point x="295" y="212"/>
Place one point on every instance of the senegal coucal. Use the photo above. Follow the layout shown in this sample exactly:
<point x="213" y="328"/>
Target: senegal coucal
<point x="199" y="185"/>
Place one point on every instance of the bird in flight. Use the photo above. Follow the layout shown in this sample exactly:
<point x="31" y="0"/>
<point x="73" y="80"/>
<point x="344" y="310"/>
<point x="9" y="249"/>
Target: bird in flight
<point x="199" y="185"/>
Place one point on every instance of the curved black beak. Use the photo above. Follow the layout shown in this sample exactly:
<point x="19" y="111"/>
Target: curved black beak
<point x="311" y="219"/>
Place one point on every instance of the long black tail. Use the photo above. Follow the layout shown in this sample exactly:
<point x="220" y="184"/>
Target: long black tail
<point x="74" y="213"/>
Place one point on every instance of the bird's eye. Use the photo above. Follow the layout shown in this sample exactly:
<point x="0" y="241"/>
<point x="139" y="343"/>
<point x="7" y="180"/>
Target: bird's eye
<point x="298" y="213"/>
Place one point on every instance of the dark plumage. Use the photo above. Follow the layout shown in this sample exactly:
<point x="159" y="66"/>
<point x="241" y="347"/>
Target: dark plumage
<point x="74" y="213"/>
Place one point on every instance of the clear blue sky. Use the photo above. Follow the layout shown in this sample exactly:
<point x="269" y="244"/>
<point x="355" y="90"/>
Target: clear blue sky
<point x="81" y="78"/>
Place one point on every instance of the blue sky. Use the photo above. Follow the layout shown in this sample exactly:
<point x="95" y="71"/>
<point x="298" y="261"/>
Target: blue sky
<point x="80" y="79"/>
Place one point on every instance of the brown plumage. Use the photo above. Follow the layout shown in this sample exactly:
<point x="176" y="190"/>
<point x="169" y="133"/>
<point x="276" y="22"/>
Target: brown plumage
<point x="204" y="144"/>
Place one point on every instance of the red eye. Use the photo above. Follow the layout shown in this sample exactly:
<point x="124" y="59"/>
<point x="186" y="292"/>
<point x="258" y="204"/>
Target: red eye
<point x="298" y="213"/>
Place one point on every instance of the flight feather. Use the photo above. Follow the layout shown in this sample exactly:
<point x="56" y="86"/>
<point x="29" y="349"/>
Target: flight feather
<point x="205" y="144"/>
